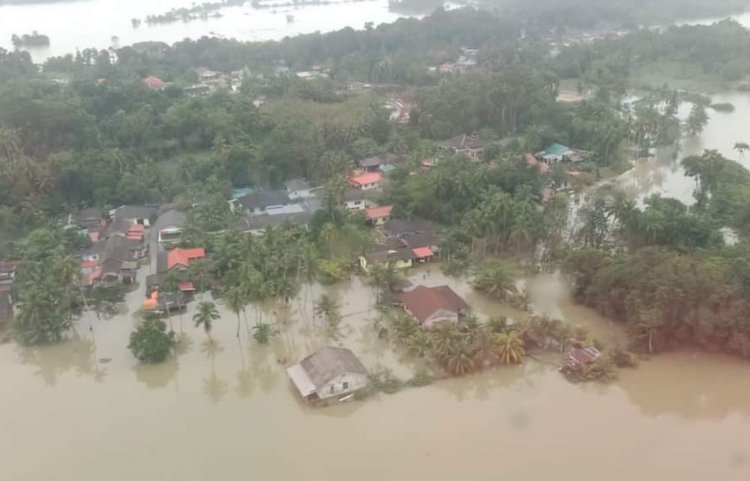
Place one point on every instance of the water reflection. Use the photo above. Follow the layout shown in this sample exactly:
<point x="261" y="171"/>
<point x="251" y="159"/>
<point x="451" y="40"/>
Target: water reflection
<point x="155" y="376"/>
<point x="53" y="361"/>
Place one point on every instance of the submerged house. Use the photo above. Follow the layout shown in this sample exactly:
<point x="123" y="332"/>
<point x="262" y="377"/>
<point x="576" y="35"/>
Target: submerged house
<point x="431" y="305"/>
<point x="333" y="372"/>
<point x="404" y="243"/>
<point x="579" y="357"/>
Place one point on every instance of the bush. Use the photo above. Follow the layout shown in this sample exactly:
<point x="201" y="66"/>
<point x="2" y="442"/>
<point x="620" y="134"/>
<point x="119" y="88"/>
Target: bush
<point x="262" y="333"/>
<point x="150" y="342"/>
<point x="420" y="379"/>
<point x="384" y="381"/>
<point x="622" y="358"/>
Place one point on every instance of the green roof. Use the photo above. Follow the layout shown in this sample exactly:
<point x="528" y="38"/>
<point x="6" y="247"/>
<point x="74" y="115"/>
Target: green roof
<point x="556" y="149"/>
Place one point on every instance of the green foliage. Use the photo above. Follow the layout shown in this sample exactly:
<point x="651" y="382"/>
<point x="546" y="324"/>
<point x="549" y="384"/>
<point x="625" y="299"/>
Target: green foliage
<point x="493" y="279"/>
<point x="383" y="380"/>
<point x="47" y="288"/>
<point x="262" y="333"/>
<point x="697" y="119"/>
<point x="329" y="308"/>
<point x="421" y="378"/>
<point x="666" y="298"/>
<point x="150" y="342"/>
<point x="205" y="316"/>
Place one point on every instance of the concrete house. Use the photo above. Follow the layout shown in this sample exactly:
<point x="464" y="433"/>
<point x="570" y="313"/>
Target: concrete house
<point x="333" y="372"/>
<point x="263" y="202"/>
<point x="367" y="181"/>
<point x="378" y="215"/>
<point x="299" y="189"/>
<point x="431" y="305"/>
<point x="560" y="153"/>
<point x="471" y="146"/>
<point x="355" y="200"/>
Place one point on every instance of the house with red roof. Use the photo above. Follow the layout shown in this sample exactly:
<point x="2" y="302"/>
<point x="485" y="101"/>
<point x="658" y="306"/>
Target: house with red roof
<point x="378" y="215"/>
<point x="180" y="258"/>
<point x="367" y="181"/>
<point x="431" y="305"/>
<point x="153" y="82"/>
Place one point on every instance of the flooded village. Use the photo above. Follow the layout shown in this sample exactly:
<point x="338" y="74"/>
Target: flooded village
<point x="237" y="393"/>
<point x="357" y="311"/>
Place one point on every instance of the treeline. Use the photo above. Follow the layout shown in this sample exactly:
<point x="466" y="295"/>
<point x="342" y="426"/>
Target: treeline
<point x="664" y="269"/>
<point x="720" y="49"/>
<point x="588" y="14"/>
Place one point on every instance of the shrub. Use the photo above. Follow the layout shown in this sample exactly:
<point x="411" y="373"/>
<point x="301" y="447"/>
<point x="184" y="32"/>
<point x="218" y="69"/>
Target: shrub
<point x="150" y="342"/>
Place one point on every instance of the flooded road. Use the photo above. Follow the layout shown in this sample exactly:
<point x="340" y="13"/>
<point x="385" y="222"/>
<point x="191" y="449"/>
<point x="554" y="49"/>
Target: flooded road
<point x="228" y="411"/>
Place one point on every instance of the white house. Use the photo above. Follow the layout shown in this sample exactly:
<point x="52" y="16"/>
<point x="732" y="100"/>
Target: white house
<point x="333" y="372"/>
<point x="299" y="189"/>
<point x="367" y="181"/>
<point x="355" y="200"/>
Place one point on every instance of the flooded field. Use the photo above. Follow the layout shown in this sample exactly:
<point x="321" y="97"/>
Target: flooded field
<point x="664" y="174"/>
<point x="85" y="410"/>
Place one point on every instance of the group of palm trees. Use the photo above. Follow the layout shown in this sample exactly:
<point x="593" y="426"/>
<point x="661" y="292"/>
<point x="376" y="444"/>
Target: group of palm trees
<point x="459" y="348"/>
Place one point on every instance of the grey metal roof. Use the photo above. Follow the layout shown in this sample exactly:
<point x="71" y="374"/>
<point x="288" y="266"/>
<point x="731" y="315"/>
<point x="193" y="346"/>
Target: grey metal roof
<point x="404" y="227"/>
<point x="297" y="185"/>
<point x="264" y="199"/>
<point x="329" y="363"/>
<point x="134" y="212"/>
<point x="354" y="194"/>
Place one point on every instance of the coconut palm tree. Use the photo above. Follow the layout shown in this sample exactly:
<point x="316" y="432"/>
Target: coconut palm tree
<point x="235" y="298"/>
<point x="493" y="280"/>
<point x="509" y="347"/>
<point x="460" y="358"/>
<point x="205" y="316"/>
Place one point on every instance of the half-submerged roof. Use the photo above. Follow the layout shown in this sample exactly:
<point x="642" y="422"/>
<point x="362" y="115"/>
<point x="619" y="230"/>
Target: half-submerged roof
<point x="329" y="363"/>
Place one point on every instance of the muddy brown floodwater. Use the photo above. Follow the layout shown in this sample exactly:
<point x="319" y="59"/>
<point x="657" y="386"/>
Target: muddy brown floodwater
<point x="228" y="411"/>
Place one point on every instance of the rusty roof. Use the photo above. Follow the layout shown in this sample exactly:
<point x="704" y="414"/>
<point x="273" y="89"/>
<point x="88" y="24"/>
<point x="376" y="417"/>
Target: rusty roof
<point x="330" y="362"/>
<point x="423" y="301"/>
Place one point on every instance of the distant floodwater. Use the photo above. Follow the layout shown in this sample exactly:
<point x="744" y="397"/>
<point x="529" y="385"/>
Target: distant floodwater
<point x="102" y="24"/>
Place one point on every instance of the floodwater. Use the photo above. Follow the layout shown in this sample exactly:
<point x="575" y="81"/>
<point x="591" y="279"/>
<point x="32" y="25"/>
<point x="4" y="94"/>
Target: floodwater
<point x="664" y="174"/>
<point x="85" y="409"/>
<point x="83" y="24"/>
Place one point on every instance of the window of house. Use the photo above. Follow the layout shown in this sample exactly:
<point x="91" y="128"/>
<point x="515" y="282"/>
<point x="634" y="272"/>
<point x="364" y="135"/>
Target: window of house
<point x="346" y="385"/>
<point x="332" y="389"/>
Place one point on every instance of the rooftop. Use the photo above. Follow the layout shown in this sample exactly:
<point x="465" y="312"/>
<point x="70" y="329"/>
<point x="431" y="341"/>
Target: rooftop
<point x="263" y="199"/>
<point x="330" y="362"/>
<point x="366" y="178"/>
<point x="556" y="149"/>
<point x="423" y="301"/>
<point x="378" y="212"/>
<point x="182" y="257"/>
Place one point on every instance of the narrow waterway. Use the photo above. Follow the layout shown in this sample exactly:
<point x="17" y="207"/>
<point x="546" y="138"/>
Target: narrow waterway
<point x="85" y="410"/>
